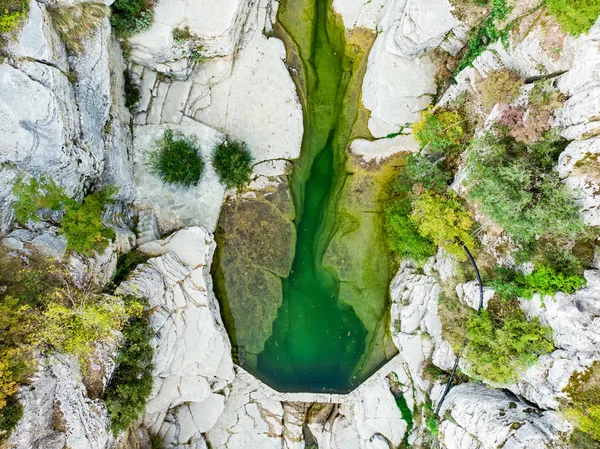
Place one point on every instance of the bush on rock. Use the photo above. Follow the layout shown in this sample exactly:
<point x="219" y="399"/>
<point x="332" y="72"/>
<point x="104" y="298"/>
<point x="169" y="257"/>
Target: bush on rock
<point x="75" y="23"/>
<point x="501" y="348"/>
<point x="233" y="163"/>
<point x="439" y="131"/>
<point x="583" y="406"/>
<point x="131" y="16"/>
<point x="500" y="86"/>
<point x="131" y="383"/>
<point x="176" y="159"/>
<point x="575" y="17"/>
<point x="12" y="14"/>
<point x="82" y="223"/>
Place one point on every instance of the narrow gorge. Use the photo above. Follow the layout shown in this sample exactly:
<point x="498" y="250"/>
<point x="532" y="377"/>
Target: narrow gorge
<point x="237" y="224"/>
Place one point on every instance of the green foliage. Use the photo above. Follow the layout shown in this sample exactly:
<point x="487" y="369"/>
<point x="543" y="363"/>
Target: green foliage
<point x="440" y="130"/>
<point x="10" y="416"/>
<point x="233" y="163"/>
<point x="131" y="383"/>
<point x="583" y="391"/>
<point x="176" y="159"/>
<point x="575" y="17"/>
<point x="132" y="91"/>
<point x="75" y="23"/>
<point x="82" y="223"/>
<point x="402" y="235"/>
<point x="36" y="194"/>
<point x="544" y="280"/>
<point x="500" y="86"/>
<point x="128" y="262"/>
<point x="444" y="219"/>
<point x="485" y="34"/>
<point x="431" y="421"/>
<point x="12" y="14"/>
<point x="131" y="16"/>
<point x="405" y="412"/>
<point x="426" y="170"/>
<point x="499" y="350"/>
<point x="519" y="189"/>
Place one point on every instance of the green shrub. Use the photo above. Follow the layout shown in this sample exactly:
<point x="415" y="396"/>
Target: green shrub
<point x="583" y="392"/>
<point x="233" y="163"/>
<point x="12" y="14"/>
<point x="128" y="262"/>
<point x="402" y="235"/>
<point x="131" y="383"/>
<point x="485" y="34"/>
<point x="500" y="86"/>
<point x="75" y="23"/>
<point x="519" y="189"/>
<point x="131" y="16"/>
<point x="132" y="92"/>
<point x="426" y="170"/>
<point x="36" y="194"/>
<point x="575" y="17"/>
<point x="82" y="223"/>
<point x="444" y="219"/>
<point x="76" y="330"/>
<point x="176" y="159"/>
<point x="440" y="130"/>
<point x="544" y="280"/>
<point x="10" y="416"/>
<point x="499" y="350"/>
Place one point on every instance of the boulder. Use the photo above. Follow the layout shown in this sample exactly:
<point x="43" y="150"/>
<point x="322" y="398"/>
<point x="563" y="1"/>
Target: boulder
<point x="192" y="354"/>
<point x="474" y="416"/>
<point x="57" y="412"/>
<point x="579" y="168"/>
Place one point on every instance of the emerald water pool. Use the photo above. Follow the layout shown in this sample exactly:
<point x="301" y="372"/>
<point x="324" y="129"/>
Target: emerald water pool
<point x="310" y="312"/>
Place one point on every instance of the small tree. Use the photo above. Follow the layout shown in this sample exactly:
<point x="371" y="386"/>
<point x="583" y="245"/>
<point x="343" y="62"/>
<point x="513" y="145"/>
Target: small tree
<point x="233" y="163"/>
<point x="439" y="131"/>
<point x="82" y="223"/>
<point x="176" y="159"/>
<point x="443" y="219"/>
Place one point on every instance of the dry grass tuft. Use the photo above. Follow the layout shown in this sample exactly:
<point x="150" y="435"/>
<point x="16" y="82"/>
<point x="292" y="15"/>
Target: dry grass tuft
<point x="77" y="22"/>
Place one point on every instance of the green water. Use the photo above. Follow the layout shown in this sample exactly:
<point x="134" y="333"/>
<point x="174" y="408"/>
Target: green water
<point x="317" y="340"/>
<point x="301" y="273"/>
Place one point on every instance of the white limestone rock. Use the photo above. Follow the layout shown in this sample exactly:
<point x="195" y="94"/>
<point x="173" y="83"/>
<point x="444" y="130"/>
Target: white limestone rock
<point x="58" y="398"/>
<point x="490" y="418"/>
<point x="177" y="206"/>
<point x="399" y="81"/>
<point x="424" y="25"/>
<point x="579" y="115"/>
<point x="192" y="353"/>
<point x="359" y="13"/>
<point x="414" y="310"/>
<point x="578" y="168"/>
<point x="469" y="292"/>
<point x="574" y="319"/>
<point x="217" y="24"/>
<point x="251" y="420"/>
<point x="255" y="102"/>
<point x="383" y="148"/>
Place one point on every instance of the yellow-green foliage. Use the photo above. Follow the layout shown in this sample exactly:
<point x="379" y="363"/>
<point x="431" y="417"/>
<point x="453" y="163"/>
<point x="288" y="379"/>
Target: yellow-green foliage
<point x="444" y="219"/>
<point x="584" y="400"/>
<point x="35" y="195"/>
<point x="75" y="23"/>
<point x="439" y="130"/>
<point x="500" y="86"/>
<point x="12" y="13"/>
<point x="41" y="309"/>
<point x="82" y="223"/>
<point x="500" y="349"/>
<point x="575" y="16"/>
